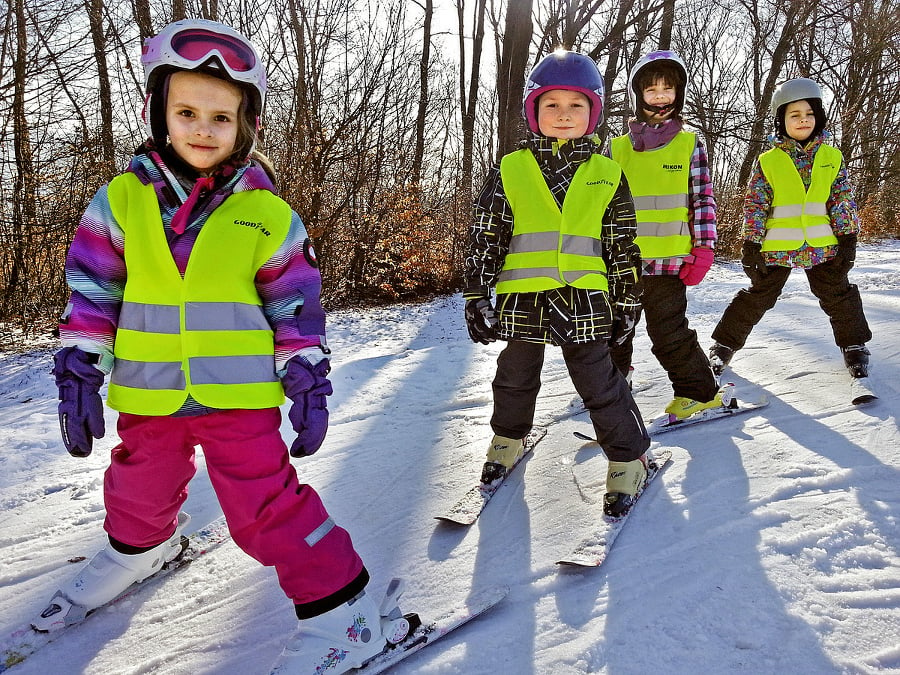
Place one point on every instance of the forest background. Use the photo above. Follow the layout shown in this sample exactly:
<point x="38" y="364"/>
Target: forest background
<point x="383" y="115"/>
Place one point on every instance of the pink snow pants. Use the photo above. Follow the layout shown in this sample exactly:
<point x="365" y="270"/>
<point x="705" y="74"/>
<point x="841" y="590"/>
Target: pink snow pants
<point x="271" y="516"/>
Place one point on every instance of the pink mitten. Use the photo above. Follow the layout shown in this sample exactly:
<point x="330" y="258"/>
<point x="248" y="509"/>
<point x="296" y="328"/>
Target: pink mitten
<point x="696" y="265"/>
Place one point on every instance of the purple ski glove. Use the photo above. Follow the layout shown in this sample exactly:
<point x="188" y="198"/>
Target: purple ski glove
<point x="307" y="386"/>
<point x="80" y="407"/>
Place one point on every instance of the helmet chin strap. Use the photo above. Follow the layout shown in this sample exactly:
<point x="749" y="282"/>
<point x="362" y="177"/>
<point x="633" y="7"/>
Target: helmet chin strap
<point x="657" y="109"/>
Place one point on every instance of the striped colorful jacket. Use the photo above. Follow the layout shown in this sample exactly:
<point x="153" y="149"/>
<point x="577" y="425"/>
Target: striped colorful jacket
<point x="841" y="205"/>
<point x="289" y="284"/>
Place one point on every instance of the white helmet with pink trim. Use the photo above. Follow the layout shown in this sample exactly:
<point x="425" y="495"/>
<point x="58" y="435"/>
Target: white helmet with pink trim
<point x="563" y="69"/>
<point x="203" y="46"/>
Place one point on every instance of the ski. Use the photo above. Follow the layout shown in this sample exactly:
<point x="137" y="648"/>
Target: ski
<point x="667" y="422"/>
<point x="470" y="506"/>
<point x="25" y="641"/>
<point x="431" y="631"/>
<point x="862" y="391"/>
<point x="592" y="551"/>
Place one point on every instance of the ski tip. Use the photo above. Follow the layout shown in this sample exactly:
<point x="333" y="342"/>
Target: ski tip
<point x="455" y="520"/>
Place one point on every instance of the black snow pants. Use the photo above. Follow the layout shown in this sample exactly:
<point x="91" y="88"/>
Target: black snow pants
<point x="617" y="421"/>
<point x="838" y="298"/>
<point x="674" y="342"/>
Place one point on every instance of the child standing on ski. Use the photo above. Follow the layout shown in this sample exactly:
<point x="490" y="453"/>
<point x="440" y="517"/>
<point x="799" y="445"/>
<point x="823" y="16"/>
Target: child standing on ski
<point x="554" y="233"/>
<point x="195" y="288"/>
<point x="669" y="178"/>
<point x="799" y="211"/>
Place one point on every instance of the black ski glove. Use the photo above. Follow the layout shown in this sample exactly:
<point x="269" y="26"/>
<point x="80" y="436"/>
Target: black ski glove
<point x="481" y="320"/>
<point x="846" y="252"/>
<point x="623" y="325"/>
<point x="753" y="262"/>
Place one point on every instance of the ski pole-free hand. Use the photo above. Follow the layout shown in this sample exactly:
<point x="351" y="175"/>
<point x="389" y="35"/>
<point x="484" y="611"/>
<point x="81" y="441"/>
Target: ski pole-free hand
<point x="80" y="406"/>
<point x="307" y="385"/>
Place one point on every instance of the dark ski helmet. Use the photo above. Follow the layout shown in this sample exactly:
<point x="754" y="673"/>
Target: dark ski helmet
<point x="201" y="46"/>
<point x="636" y="98"/>
<point x="567" y="70"/>
<point x="798" y="89"/>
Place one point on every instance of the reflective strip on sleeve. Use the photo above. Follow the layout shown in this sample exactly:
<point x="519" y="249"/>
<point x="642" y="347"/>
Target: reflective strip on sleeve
<point x="319" y="533"/>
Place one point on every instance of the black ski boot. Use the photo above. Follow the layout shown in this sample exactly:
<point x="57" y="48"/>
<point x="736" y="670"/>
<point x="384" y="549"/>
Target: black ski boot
<point x="856" y="358"/>
<point x="719" y="358"/>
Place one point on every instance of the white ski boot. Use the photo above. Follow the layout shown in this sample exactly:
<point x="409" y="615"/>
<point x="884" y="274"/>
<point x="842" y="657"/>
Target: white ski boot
<point x="348" y="636"/>
<point x="106" y="576"/>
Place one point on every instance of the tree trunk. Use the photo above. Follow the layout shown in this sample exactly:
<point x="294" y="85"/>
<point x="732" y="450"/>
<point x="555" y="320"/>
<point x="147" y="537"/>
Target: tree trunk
<point x="511" y="75"/>
<point x="469" y="103"/>
<point x="140" y="10"/>
<point x="24" y="184"/>
<point x="665" y="28"/>
<point x="98" y="38"/>
<point x="419" y="152"/>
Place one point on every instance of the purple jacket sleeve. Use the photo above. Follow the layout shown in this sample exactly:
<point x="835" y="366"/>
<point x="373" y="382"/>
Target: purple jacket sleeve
<point x="290" y="287"/>
<point x="95" y="271"/>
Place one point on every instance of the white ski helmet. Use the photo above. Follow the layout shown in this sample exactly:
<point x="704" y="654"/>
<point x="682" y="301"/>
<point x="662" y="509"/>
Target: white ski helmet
<point x="563" y="69"/>
<point x="636" y="98"/>
<point x="798" y="89"/>
<point x="203" y="46"/>
<point x="801" y="88"/>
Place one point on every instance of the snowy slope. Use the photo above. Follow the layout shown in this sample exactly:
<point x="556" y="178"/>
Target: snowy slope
<point x="770" y="545"/>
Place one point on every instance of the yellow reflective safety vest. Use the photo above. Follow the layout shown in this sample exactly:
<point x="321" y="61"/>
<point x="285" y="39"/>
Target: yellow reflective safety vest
<point x="659" y="181"/>
<point x="204" y="335"/>
<point x="798" y="214"/>
<point x="551" y="248"/>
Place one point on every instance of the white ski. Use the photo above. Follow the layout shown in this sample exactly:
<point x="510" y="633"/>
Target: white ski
<point x="25" y="641"/>
<point x="432" y="631"/>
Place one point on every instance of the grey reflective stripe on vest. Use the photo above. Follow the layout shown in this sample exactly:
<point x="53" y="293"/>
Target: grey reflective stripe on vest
<point x="150" y="318"/>
<point x="667" y="229"/>
<point x="232" y="369"/>
<point x="529" y="273"/>
<point x="571" y="277"/>
<point x="317" y="534"/>
<point x="798" y="233"/>
<point x="533" y="242"/>
<point x="151" y="376"/>
<point x="796" y="210"/>
<point x="660" y="202"/>
<point x="574" y="244"/>
<point x="224" y="316"/>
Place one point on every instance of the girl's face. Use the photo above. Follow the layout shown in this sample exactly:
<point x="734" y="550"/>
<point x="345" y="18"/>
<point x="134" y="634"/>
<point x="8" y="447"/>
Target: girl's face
<point x="564" y="114"/>
<point x="202" y="118"/>
<point x="799" y="120"/>
<point x="660" y="93"/>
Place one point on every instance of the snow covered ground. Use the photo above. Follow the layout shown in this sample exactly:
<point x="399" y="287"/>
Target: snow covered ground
<point x="770" y="545"/>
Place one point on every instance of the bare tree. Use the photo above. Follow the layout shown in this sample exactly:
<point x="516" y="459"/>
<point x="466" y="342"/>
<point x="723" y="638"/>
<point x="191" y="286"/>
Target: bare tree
<point x="94" y="9"/>
<point x="511" y="74"/>
<point x="419" y="154"/>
